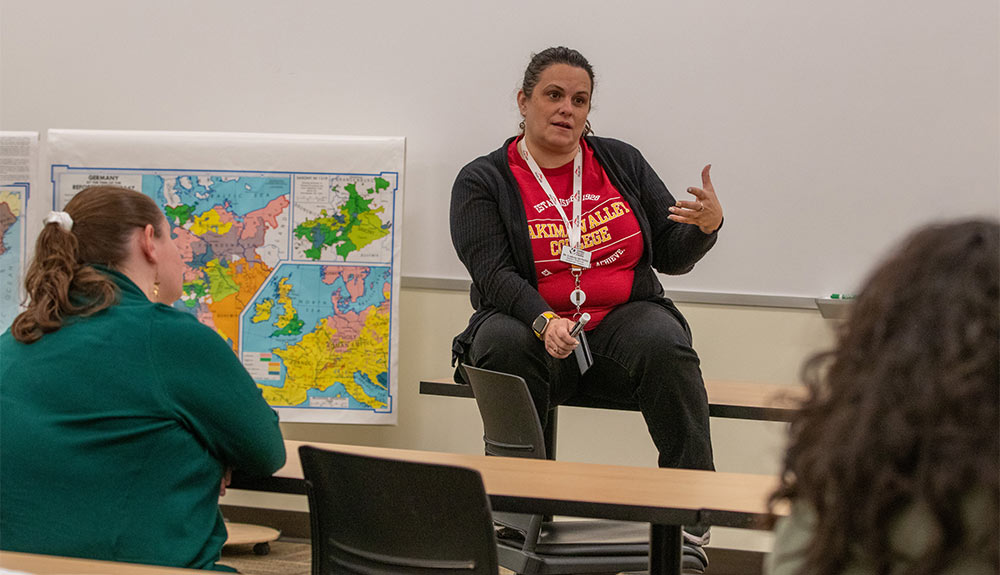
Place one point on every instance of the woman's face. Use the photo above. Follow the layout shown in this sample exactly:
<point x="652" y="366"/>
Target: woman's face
<point x="556" y="112"/>
<point x="170" y="267"/>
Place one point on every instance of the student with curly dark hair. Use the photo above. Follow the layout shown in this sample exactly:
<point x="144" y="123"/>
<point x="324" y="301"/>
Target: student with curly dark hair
<point x="893" y="465"/>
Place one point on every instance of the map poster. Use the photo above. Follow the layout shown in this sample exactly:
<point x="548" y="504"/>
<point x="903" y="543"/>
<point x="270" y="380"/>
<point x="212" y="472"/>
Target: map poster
<point x="18" y="164"/>
<point x="292" y="248"/>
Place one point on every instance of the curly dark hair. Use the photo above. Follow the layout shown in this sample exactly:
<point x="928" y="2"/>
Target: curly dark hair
<point x="905" y="408"/>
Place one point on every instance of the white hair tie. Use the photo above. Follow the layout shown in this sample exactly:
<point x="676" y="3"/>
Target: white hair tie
<point x="62" y="218"/>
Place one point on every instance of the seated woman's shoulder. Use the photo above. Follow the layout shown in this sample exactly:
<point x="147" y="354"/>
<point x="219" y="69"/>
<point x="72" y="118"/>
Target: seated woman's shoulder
<point x="176" y="324"/>
<point x="613" y="145"/>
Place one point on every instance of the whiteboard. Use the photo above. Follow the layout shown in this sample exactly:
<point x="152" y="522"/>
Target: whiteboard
<point x="833" y="128"/>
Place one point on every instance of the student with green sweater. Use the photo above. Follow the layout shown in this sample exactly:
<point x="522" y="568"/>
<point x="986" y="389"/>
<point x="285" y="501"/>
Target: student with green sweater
<point x="120" y="417"/>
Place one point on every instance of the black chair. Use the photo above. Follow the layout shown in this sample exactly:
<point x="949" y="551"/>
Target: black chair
<point x="372" y="515"/>
<point x="529" y="543"/>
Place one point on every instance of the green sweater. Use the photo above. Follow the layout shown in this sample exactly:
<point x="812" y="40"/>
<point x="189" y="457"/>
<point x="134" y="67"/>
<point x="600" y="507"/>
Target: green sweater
<point x="909" y="535"/>
<point x="115" y="432"/>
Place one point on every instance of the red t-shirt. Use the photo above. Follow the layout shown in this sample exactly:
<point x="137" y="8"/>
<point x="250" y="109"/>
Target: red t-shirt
<point x="609" y="231"/>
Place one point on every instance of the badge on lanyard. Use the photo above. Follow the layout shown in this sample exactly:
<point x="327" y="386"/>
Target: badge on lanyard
<point x="577" y="256"/>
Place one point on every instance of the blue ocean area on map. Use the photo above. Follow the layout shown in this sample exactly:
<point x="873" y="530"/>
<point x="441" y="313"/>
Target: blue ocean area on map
<point x="242" y="195"/>
<point x="312" y="302"/>
<point x="373" y="295"/>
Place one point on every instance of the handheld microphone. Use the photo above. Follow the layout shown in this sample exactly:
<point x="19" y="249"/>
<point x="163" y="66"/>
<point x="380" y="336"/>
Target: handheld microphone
<point x="578" y="326"/>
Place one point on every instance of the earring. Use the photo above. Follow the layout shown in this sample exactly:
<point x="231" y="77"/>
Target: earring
<point x="156" y="286"/>
<point x="521" y="125"/>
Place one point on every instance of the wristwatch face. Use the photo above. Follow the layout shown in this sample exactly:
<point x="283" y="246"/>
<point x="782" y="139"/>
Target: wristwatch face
<point x="539" y="324"/>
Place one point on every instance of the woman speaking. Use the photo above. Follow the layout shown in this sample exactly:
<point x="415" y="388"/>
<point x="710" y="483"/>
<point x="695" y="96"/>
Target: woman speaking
<point x="558" y="222"/>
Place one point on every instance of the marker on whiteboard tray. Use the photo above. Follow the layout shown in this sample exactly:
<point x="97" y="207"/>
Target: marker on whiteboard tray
<point x="841" y="296"/>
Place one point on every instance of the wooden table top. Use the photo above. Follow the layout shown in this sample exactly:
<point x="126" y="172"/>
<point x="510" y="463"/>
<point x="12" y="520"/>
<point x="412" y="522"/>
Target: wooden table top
<point x="749" y="394"/>
<point x="590" y="489"/>
<point x="52" y="565"/>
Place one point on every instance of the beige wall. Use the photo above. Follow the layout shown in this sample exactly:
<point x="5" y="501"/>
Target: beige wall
<point x="737" y="343"/>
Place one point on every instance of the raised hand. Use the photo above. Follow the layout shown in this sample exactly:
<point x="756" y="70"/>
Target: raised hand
<point x="705" y="212"/>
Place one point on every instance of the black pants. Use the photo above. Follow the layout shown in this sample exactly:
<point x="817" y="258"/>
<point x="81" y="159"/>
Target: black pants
<point x="642" y="353"/>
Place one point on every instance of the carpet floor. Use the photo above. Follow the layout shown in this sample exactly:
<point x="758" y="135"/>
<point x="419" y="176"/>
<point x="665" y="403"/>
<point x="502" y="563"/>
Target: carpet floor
<point x="287" y="557"/>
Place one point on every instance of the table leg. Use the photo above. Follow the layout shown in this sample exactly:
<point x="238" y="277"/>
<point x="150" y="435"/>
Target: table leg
<point x="664" y="549"/>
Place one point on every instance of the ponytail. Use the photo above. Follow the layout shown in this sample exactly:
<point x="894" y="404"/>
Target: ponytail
<point x="60" y="280"/>
<point x="58" y="286"/>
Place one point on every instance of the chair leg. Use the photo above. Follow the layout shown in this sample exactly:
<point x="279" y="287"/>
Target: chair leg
<point x="664" y="549"/>
<point x="550" y="433"/>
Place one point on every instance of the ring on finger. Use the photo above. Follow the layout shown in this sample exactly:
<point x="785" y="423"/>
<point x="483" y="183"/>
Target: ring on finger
<point x="701" y="207"/>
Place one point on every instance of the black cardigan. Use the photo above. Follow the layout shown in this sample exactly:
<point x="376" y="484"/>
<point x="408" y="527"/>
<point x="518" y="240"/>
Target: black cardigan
<point x="489" y="230"/>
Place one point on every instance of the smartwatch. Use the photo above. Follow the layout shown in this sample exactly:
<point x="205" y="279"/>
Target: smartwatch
<point x="538" y="326"/>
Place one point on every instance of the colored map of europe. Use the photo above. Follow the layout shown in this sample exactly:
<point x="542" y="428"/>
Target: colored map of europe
<point x="286" y="269"/>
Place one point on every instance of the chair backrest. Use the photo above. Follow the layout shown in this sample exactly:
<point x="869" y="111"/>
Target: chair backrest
<point x="376" y="515"/>
<point x="511" y="427"/>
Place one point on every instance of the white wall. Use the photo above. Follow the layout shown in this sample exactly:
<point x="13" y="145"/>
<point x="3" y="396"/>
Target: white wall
<point x="832" y="127"/>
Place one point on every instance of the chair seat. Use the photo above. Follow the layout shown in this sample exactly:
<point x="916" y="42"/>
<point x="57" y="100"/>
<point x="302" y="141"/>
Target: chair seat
<point x="576" y="532"/>
<point x="585" y="538"/>
<point x="587" y="533"/>
<point x="514" y="558"/>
